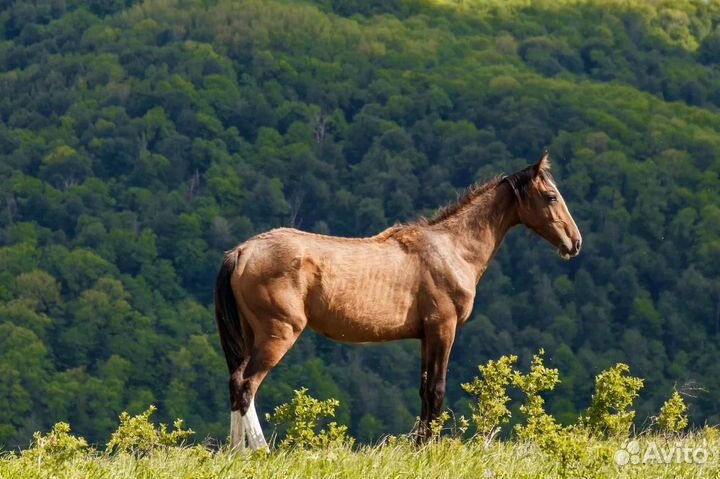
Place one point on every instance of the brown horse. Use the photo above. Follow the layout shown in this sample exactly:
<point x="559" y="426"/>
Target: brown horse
<point x="409" y="281"/>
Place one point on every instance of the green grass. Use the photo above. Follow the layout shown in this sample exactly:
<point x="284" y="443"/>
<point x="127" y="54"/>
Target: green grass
<point x="449" y="458"/>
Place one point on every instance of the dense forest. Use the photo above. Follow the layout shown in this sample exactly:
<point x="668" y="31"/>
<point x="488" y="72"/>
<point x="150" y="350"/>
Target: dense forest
<point x="139" y="140"/>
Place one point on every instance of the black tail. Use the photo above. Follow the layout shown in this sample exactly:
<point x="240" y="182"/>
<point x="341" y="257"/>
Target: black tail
<point x="226" y="313"/>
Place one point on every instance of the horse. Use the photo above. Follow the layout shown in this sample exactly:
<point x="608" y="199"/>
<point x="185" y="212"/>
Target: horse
<point x="411" y="281"/>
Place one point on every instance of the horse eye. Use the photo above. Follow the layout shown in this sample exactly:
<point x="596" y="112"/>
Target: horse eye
<point x="551" y="198"/>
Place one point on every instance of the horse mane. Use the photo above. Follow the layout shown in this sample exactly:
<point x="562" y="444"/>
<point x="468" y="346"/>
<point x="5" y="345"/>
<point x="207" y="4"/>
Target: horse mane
<point x="519" y="181"/>
<point x="407" y="234"/>
<point x="465" y="198"/>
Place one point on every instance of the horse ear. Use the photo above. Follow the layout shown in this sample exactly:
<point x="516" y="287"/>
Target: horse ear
<point x="543" y="163"/>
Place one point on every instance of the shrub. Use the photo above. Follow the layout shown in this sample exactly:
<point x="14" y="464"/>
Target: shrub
<point x="139" y="436"/>
<point x="437" y="424"/>
<point x="490" y="411"/>
<point x="615" y="392"/>
<point x="672" y="418"/>
<point x="539" y="424"/>
<point x="302" y="415"/>
<point x="57" y="447"/>
<point x="567" y="445"/>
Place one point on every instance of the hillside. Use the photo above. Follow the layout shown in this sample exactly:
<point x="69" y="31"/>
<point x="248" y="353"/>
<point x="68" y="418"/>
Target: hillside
<point x="139" y="140"/>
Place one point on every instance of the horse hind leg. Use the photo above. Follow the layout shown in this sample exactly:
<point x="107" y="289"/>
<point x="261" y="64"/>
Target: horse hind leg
<point x="268" y="349"/>
<point x="237" y="432"/>
<point x="246" y="427"/>
<point x="255" y="437"/>
<point x="237" y="425"/>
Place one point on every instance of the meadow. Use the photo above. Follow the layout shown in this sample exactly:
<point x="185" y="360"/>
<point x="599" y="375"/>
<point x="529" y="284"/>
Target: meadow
<point x="306" y="443"/>
<point x="449" y="458"/>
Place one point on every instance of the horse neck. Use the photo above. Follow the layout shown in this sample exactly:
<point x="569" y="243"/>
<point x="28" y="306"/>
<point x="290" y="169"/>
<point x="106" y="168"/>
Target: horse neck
<point x="478" y="229"/>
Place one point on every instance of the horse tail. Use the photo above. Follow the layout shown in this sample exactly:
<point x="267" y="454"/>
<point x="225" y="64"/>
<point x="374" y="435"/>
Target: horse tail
<point x="227" y="315"/>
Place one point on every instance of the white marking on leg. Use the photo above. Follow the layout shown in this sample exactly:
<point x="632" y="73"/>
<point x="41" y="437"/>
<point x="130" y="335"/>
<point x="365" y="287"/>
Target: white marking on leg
<point x="256" y="439"/>
<point x="237" y="432"/>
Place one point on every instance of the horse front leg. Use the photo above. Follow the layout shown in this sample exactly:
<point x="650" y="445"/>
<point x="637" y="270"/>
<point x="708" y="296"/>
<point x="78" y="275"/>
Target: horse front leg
<point x="439" y="345"/>
<point x="423" y="431"/>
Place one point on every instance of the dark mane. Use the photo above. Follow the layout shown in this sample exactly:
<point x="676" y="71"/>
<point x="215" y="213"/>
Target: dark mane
<point x="472" y="192"/>
<point x="519" y="182"/>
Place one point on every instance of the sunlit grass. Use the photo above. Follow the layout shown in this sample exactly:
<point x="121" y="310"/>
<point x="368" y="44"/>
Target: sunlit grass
<point x="449" y="458"/>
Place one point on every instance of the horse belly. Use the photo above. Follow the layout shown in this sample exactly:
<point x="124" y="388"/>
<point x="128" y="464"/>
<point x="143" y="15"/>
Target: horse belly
<point x="381" y="309"/>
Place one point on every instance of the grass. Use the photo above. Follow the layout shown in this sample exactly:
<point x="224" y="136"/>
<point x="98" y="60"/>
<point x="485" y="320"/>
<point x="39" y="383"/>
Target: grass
<point x="540" y="448"/>
<point x="450" y="458"/>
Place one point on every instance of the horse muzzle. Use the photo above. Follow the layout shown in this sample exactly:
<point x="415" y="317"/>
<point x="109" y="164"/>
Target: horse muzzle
<point x="566" y="251"/>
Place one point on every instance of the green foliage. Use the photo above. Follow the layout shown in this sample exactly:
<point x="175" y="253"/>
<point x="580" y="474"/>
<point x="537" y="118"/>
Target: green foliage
<point x="539" y="425"/>
<point x="489" y="411"/>
<point x="138" y="435"/>
<point x="437" y="424"/>
<point x="56" y="448"/>
<point x="673" y="417"/>
<point x="615" y="392"/>
<point x="566" y="445"/>
<point x="546" y="449"/>
<point x="303" y="416"/>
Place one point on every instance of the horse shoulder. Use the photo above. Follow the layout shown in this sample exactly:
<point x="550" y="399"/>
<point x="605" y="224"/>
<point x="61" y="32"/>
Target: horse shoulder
<point x="450" y="275"/>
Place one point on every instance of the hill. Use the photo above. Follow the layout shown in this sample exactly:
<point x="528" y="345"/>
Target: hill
<point x="138" y="140"/>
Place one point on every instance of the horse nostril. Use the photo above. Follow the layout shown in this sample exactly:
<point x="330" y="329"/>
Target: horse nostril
<point x="578" y="243"/>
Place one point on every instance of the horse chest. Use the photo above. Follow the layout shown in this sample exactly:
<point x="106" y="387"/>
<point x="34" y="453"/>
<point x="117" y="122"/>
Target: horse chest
<point x="451" y="285"/>
<point x="464" y="305"/>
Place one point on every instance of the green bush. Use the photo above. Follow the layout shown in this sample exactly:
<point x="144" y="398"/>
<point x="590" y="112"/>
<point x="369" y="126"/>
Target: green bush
<point x="302" y="416"/>
<point x="57" y="447"/>
<point x="673" y="417"/>
<point x="437" y="424"/>
<point x="567" y="445"/>
<point x="539" y="426"/>
<point x="615" y="392"/>
<point x="490" y="412"/>
<point x="139" y="436"/>
<point x="539" y="379"/>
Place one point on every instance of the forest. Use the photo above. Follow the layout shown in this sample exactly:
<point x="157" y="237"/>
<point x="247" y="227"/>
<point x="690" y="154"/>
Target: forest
<point x="141" y="139"/>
